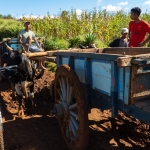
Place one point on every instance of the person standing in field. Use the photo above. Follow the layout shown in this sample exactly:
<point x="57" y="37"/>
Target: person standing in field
<point x="138" y="29"/>
<point x="121" y="41"/>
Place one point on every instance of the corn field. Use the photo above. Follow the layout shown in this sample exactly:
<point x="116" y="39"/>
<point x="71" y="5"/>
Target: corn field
<point x="105" y="25"/>
<point x="66" y="25"/>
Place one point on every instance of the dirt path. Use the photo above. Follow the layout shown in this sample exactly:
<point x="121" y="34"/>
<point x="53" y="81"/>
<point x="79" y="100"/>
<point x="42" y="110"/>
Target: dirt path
<point x="42" y="132"/>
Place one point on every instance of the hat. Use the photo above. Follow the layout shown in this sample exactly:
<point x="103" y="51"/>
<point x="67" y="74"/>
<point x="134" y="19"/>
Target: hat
<point x="124" y="30"/>
<point x="26" y="22"/>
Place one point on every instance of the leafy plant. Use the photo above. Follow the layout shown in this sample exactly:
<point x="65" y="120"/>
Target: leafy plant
<point x="90" y="38"/>
<point x="74" y="42"/>
<point x="55" y="44"/>
<point x="100" y="44"/>
<point x="9" y="28"/>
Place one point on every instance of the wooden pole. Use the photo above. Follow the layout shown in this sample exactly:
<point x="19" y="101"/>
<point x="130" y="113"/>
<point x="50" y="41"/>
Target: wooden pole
<point x="52" y="53"/>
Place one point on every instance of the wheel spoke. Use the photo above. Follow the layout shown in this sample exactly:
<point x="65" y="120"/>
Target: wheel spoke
<point x="70" y="97"/>
<point x="64" y="87"/>
<point x="59" y="92"/>
<point x="74" y="114"/>
<point x="73" y="129"/>
<point x="62" y="90"/>
<point x="68" y="90"/>
<point x="75" y="122"/>
<point x="70" y="132"/>
<point x="60" y="85"/>
<point x="73" y="106"/>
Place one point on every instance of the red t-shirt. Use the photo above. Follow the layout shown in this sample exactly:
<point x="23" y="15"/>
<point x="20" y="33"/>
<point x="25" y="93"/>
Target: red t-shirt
<point x="138" y="32"/>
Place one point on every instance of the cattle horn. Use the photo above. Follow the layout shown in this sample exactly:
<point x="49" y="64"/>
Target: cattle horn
<point x="8" y="47"/>
<point x="23" y="50"/>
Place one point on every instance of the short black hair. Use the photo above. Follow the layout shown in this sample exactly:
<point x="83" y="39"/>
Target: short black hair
<point x="136" y="10"/>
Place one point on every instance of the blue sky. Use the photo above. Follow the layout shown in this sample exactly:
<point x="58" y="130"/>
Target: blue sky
<point x="19" y="8"/>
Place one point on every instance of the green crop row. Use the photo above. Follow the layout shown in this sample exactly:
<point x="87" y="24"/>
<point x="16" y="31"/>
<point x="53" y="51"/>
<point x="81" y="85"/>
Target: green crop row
<point x="68" y="29"/>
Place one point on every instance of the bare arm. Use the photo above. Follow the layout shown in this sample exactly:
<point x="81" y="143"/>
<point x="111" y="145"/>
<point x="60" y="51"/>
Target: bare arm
<point x="37" y="44"/>
<point x="144" y="42"/>
<point x="20" y="40"/>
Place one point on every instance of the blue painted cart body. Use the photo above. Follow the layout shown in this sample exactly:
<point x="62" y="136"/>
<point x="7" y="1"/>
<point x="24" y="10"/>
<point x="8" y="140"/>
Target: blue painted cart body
<point x="108" y="86"/>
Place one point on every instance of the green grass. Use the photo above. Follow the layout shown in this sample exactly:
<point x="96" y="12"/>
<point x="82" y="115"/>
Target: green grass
<point x="51" y="66"/>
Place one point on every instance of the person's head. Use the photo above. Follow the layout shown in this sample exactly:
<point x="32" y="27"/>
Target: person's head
<point x="27" y="25"/>
<point x="124" y="33"/>
<point x="135" y="13"/>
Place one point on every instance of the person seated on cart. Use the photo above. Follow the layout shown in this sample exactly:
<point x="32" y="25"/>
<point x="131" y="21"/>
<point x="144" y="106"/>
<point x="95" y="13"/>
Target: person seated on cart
<point x="121" y="41"/>
<point x="26" y="37"/>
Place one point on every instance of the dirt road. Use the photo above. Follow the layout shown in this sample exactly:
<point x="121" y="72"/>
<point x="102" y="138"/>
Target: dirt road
<point x="42" y="132"/>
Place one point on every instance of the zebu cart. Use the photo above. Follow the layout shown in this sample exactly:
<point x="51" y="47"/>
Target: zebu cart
<point x="109" y="78"/>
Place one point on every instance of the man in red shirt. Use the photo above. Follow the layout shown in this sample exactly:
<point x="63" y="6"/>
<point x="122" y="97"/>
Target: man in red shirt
<point x="138" y="29"/>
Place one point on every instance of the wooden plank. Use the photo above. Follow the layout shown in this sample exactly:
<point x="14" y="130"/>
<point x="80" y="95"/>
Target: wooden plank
<point x="120" y="83"/>
<point x="101" y="75"/>
<point x="142" y="104"/>
<point x="147" y="108"/>
<point x="92" y="50"/>
<point x="45" y="58"/>
<point x="37" y="54"/>
<point x="127" y="85"/>
<point x="53" y="53"/>
<point x="102" y="56"/>
<point x="127" y="51"/>
<point x="124" y="61"/>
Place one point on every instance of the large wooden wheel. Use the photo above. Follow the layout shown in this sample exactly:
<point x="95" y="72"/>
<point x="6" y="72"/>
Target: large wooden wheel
<point x="71" y="108"/>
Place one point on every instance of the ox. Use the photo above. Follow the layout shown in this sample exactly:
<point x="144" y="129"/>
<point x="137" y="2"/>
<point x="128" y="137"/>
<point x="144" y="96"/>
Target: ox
<point x="21" y="78"/>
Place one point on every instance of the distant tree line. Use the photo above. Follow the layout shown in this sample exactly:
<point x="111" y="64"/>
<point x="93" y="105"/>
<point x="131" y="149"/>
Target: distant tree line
<point x="6" y="16"/>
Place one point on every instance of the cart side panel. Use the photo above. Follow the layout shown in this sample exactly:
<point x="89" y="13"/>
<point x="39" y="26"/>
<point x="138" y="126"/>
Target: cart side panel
<point x="127" y="75"/>
<point x="100" y="83"/>
<point x="120" y="83"/>
<point x="140" y="84"/>
<point x="65" y="60"/>
<point x="101" y="75"/>
<point x="79" y="67"/>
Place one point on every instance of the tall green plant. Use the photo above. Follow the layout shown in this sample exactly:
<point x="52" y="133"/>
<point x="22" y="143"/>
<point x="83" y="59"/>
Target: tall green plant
<point x="90" y="38"/>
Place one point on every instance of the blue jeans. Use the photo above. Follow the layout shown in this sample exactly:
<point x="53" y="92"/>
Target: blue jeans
<point x="34" y="48"/>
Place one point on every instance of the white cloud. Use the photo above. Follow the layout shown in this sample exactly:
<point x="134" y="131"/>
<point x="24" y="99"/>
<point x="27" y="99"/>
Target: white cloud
<point x="99" y="1"/>
<point x="146" y="2"/>
<point x="30" y="16"/>
<point x="126" y="8"/>
<point x="78" y="12"/>
<point x="111" y="8"/>
<point x="123" y="3"/>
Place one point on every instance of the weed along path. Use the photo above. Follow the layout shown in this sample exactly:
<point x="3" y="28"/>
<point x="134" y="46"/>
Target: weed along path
<point x="42" y="131"/>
